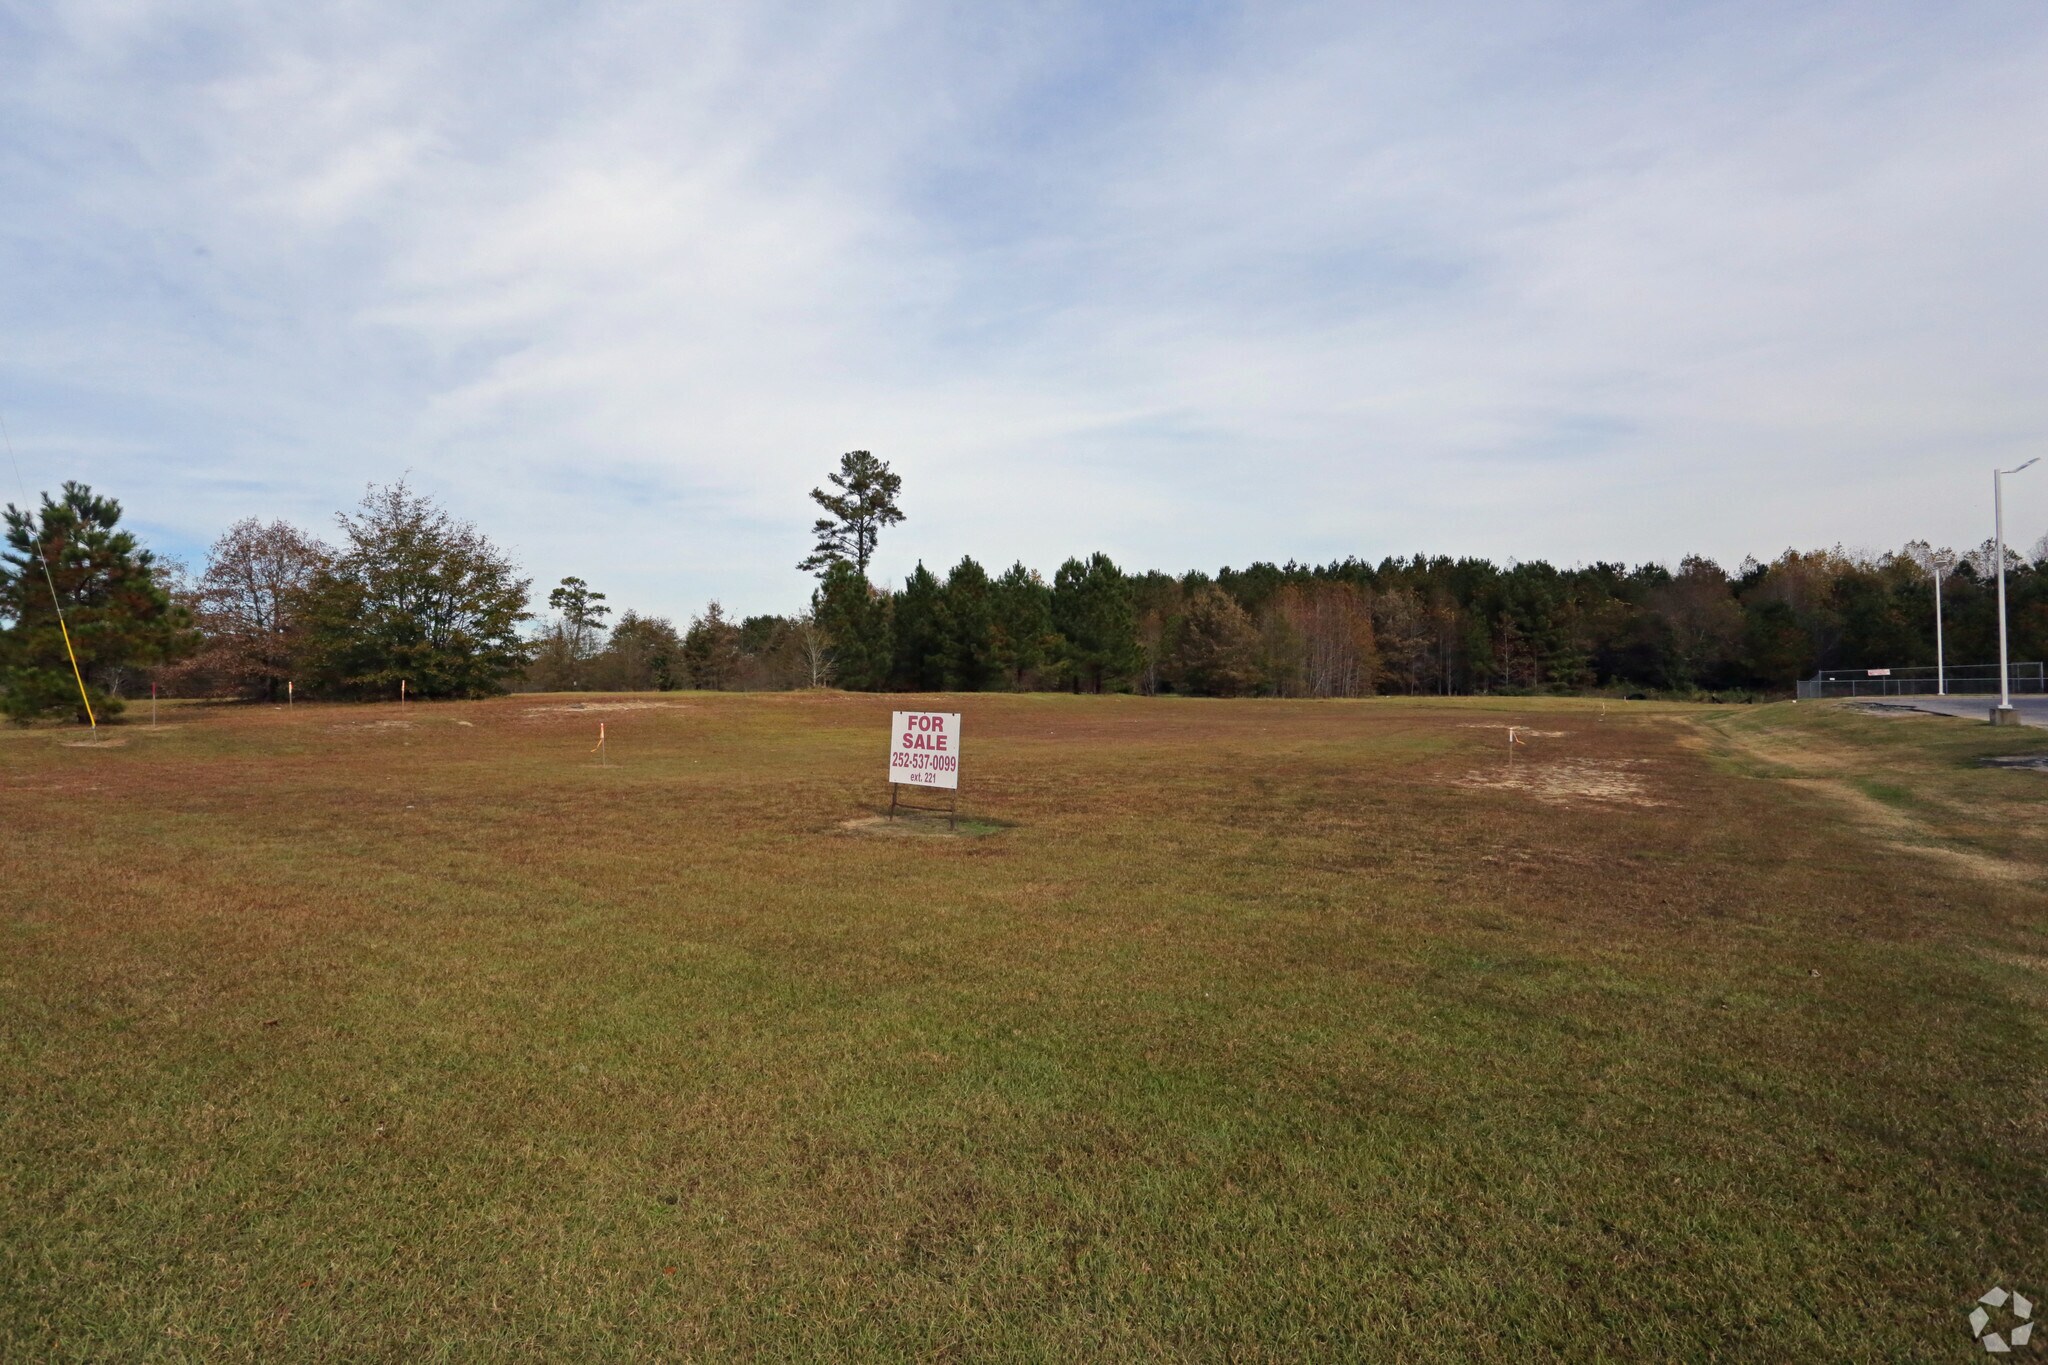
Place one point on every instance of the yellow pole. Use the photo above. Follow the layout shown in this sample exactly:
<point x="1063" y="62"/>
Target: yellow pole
<point x="7" y="438"/>
<point x="90" y="718"/>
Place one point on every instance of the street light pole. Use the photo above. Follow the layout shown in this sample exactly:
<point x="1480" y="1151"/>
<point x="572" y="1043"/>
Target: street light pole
<point x="2003" y="715"/>
<point x="1936" y="563"/>
<point x="1940" y="659"/>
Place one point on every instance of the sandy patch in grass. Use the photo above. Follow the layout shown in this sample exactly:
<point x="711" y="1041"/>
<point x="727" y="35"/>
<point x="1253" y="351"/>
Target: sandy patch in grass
<point x="1524" y="730"/>
<point x="587" y="707"/>
<point x="1570" y="780"/>
<point x="373" y="725"/>
<point x="93" y="743"/>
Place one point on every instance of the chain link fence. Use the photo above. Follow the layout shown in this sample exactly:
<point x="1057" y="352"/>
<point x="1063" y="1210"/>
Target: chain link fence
<point x="1963" y="680"/>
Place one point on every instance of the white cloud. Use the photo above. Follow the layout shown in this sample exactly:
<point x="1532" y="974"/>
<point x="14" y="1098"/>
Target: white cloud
<point x="1191" y="285"/>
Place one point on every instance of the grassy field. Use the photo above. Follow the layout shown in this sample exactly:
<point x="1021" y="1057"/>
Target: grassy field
<point x="1259" y="1030"/>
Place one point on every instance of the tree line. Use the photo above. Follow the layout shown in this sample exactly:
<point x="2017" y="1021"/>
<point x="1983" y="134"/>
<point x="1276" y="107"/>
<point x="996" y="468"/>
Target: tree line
<point x="1422" y="625"/>
<point x="408" y="592"/>
<point x="1414" y="624"/>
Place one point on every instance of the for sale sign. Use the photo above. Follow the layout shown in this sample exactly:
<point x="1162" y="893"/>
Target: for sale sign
<point x="924" y="749"/>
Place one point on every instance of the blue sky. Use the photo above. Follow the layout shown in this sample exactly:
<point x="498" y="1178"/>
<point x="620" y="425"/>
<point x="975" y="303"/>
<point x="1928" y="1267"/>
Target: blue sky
<point x="1191" y="283"/>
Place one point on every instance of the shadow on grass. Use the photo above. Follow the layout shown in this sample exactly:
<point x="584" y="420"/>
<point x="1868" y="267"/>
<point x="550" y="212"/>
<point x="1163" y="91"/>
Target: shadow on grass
<point x="924" y="825"/>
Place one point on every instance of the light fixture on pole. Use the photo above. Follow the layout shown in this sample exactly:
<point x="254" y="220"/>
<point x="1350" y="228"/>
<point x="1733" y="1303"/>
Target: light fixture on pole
<point x="2003" y="713"/>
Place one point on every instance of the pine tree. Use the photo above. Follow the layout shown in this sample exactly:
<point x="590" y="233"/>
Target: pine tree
<point x="1214" y="650"/>
<point x="711" y="650"/>
<point x="582" y="612"/>
<point x="1093" y="612"/>
<point x="854" y="621"/>
<point x="922" y="632"/>
<point x="119" y="614"/>
<point x="1020" y="626"/>
<point x="970" y="622"/>
<point x="864" y="504"/>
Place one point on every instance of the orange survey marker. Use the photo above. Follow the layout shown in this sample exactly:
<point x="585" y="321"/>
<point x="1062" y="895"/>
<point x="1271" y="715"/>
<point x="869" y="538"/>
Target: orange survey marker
<point x="603" y="755"/>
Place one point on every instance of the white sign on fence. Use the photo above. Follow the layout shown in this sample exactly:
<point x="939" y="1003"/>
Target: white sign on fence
<point x="924" y="750"/>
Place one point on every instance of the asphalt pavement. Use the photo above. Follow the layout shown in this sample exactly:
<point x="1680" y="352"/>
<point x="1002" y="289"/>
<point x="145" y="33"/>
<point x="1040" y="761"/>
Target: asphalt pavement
<point x="2033" y="710"/>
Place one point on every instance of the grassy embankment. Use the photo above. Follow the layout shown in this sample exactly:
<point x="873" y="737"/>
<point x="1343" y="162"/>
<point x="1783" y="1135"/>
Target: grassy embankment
<point x="1266" y="1029"/>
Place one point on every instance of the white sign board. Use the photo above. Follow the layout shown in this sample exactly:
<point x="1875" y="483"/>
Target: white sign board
<point x="924" y="748"/>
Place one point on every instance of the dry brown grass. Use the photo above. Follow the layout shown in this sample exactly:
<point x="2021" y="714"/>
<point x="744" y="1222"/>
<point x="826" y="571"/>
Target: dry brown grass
<point x="1263" y="1030"/>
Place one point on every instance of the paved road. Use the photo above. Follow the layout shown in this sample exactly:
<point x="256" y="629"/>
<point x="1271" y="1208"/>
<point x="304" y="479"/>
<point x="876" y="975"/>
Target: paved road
<point x="2033" y="710"/>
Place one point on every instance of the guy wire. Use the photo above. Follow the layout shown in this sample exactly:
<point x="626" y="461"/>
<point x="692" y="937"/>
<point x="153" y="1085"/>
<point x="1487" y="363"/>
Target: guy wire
<point x="56" y="602"/>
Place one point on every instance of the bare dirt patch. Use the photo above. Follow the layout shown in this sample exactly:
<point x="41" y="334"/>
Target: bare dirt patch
<point x="1612" y="781"/>
<point x="575" y="708"/>
<point x="373" y="725"/>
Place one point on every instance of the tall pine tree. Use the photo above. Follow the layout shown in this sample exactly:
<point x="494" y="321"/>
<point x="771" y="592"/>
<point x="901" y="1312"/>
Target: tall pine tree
<point x="970" y="628"/>
<point x="120" y="616"/>
<point x="922" y="634"/>
<point x="1021" y="633"/>
<point x="854" y="621"/>
<point x="855" y="515"/>
<point x="1093" y="611"/>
